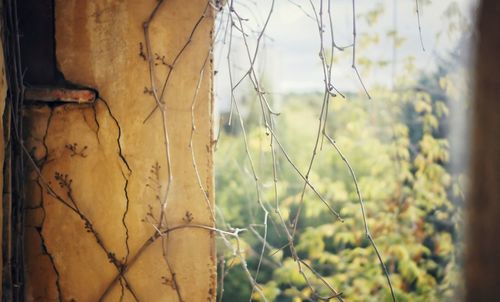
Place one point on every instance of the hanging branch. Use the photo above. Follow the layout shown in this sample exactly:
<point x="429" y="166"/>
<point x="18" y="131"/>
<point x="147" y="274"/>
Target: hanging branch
<point x="417" y="9"/>
<point x="363" y="212"/>
<point x="267" y="115"/>
<point x="354" y="33"/>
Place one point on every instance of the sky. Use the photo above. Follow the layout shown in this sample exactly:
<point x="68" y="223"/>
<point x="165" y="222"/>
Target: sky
<point x="288" y="57"/>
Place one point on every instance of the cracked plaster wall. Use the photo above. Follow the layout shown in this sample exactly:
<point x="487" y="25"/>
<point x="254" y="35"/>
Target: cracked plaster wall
<point x="88" y="216"/>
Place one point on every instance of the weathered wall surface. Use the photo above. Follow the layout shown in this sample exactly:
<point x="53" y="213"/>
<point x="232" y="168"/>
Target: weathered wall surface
<point x="91" y="225"/>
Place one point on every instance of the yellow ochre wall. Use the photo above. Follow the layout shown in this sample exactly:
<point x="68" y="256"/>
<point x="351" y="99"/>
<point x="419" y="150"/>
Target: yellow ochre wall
<point x="107" y="167"/>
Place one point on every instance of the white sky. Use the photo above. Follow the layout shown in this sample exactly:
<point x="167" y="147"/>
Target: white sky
<point x="289" y="58"/>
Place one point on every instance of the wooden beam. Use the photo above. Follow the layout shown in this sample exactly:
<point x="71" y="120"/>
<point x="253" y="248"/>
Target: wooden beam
<point x="483" y="235"/>
<point x="45" y="94"/>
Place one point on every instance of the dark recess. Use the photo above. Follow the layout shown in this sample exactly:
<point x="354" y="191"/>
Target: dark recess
<point x="37" y="43"/>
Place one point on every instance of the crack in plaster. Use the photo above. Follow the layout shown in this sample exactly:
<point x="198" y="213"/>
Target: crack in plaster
<point x="65" y="183"/>
<point x="125" y="177"/>
<point x="39" y="229"/>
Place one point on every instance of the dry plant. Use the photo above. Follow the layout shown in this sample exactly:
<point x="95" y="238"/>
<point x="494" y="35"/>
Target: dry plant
<point x="235" y="27"/>
<point x="231" y="28"/>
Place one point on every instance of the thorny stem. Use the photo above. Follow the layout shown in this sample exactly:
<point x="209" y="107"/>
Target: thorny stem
<point x="417" y="9"/>
<point x="171" y="67"/>
<point x="322" y="119"/>
<point x="268" y="122"/>
<point x="88" y="224"/>
<point x="282" y="148"/>
<point x="247" y="151"/>
<point x="321" y="133"/>
<point x="191" y="140"/>
<point x="363" y="212"/>
<point x="263" y="101"/>
<point x="160" y="234"/>
<point x="354" y="33"/>
<point x="161" y="105"/>
<point x="302" y="9"/>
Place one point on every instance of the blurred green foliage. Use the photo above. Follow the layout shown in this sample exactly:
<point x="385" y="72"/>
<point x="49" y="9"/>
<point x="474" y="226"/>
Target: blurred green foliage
<point x="399" y="151"/>
<point x="398" y="146"/>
